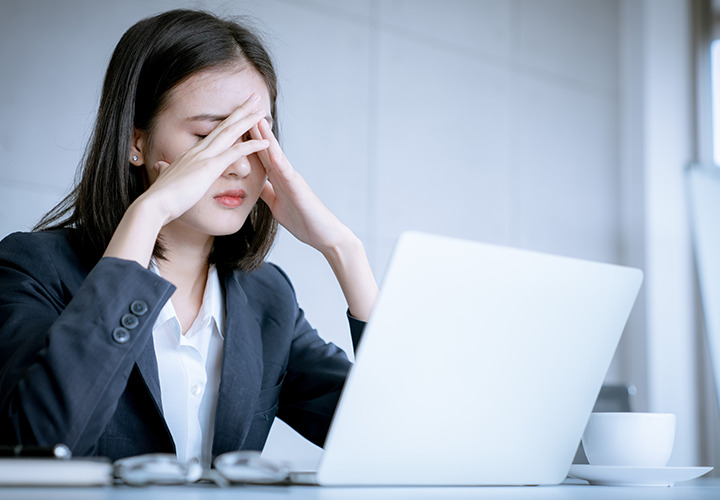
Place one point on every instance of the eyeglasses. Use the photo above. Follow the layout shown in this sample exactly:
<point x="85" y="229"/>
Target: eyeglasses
<point x="157" y="468"/>
<point x="246" y="466"/>
<point x="166" y="469"/>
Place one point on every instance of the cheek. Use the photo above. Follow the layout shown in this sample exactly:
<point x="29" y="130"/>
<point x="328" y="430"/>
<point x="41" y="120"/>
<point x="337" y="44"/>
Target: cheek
<point x="150" y="173"/>
<point x="257" y="172"/>
<point x="163" y="150"/>
<point x="167" y="142"/>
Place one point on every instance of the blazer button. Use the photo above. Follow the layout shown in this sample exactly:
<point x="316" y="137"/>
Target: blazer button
<point x="139" y="307"/>
<point x="129" y="321"/>
<point x="120" y="335"/>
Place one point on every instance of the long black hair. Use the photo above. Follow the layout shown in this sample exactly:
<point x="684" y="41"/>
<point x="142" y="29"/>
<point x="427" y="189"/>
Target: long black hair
<point x="151" y="58"/>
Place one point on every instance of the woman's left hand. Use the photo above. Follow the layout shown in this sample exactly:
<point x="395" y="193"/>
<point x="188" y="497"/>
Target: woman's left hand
<point x="293" y="203"/>
<point x="301" y="212"/>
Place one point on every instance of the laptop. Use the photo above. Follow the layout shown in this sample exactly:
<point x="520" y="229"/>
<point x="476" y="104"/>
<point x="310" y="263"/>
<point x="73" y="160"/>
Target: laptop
<point x="480" y="365"/>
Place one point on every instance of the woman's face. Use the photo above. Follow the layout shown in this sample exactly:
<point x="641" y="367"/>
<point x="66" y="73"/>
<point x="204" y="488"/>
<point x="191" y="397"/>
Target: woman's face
<point x="194" y="108"/>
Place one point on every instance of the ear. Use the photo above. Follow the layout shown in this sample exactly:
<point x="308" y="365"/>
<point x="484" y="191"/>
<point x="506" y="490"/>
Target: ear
<point x="137" y="148"/>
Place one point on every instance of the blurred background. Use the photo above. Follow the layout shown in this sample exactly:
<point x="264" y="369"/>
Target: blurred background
<point x="562" y="126"/>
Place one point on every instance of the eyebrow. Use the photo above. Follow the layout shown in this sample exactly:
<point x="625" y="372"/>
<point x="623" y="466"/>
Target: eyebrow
<point x="208" y="117"/>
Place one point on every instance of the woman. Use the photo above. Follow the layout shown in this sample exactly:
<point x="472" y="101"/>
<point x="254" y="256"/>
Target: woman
<point x="140" y="316"/>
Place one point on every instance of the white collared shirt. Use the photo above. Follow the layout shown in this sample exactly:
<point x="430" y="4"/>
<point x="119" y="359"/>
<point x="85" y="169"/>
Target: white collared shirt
<point x="189" y="370"/>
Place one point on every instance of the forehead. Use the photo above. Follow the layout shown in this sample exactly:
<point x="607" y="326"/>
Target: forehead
<point x="217" y="91"/>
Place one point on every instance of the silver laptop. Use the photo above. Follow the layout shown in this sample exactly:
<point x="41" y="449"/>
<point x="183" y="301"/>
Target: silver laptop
<point x="480" y="365"/>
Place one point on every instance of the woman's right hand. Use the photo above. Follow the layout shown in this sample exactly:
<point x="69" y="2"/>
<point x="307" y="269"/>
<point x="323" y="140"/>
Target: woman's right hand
<point x="180" y="185"/>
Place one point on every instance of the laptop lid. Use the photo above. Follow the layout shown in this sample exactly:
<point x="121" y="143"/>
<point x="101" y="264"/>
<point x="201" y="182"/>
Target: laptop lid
<point x="480" y="365"/>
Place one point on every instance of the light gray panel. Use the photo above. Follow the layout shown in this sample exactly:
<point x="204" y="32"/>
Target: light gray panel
<point x="565" y="171"/>
<point x="353" y="7"/>
<point x="380" y="257"/>
<point x="23" y="204"/>
<point x="703" y="183"/>
<point x="443" y="138"/>
<point x="575" y="39"/>
<point x="481" y="26"/>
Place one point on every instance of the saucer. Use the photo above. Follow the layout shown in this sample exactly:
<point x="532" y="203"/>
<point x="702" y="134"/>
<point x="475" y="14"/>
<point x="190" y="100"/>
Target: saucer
<point x="608" y="475"/>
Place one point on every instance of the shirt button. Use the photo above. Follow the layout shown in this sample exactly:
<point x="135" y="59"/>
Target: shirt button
<point x="120" y="335"/>
<point x="129" y="321"/>
<point x="195" y="390"/>
<point x="139" y="307"/>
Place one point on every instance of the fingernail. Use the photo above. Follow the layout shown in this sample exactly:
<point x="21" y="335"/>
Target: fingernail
<point x="156" y="167"/>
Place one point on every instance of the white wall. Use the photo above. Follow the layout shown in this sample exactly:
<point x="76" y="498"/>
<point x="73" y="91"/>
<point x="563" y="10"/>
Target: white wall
<point x="495" y="120"/>
<point x="667" y="145"/>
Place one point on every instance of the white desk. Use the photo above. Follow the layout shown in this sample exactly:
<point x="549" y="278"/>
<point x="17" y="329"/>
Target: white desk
<point x="699" y="489"/>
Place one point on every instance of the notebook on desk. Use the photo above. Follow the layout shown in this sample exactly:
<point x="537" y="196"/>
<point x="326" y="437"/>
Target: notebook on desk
<point x="480" y="365"/>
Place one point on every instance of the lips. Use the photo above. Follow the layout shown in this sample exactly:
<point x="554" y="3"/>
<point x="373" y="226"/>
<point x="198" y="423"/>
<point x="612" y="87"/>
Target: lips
<point x="231" y="198"/>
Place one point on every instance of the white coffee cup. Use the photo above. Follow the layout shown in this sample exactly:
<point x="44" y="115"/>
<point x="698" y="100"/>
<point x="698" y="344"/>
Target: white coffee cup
<point x="629" y="439"/>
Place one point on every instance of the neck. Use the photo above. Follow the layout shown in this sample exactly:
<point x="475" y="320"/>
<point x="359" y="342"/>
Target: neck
<point x="184" y="259"/>
<point x="186" y="266"/>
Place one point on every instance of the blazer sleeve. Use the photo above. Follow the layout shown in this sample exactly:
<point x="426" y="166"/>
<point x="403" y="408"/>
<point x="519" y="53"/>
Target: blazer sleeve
<point x="316" y="373"/>
<point x="68" y="342"/>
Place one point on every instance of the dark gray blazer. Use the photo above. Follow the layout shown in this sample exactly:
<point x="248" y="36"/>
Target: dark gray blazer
<point x="77" y="363"/>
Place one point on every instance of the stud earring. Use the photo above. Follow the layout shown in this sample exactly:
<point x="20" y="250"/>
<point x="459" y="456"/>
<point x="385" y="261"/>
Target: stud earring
<point x="134" y="158"/>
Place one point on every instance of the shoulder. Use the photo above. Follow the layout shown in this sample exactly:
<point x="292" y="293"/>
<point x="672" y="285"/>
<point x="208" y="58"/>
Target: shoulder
<point x="41" y="252"/>
<point x="53" y="238"/>
<point x="54" y="242"/>
<point x="23" y="239"/>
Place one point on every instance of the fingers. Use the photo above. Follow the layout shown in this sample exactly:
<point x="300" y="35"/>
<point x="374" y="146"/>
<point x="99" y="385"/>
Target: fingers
<point x="263" y="155"/>
<point x="219" y="163"/>
<point x="231" y="133"/>
<point x="273" y="159"/>
<point x="266" y="133"/>
<point x="161" y="165"/>
<point x="232" y="128"/>
<point x="240" y="149"/>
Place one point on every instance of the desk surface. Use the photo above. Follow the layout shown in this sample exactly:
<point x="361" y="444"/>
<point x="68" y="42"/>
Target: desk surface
<point x="703" y="488"/>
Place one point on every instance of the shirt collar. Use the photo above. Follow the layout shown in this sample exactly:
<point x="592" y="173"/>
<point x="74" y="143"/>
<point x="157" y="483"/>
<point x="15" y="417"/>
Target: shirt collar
<point x="213" y="299"/>
<point x="213" y="305"/>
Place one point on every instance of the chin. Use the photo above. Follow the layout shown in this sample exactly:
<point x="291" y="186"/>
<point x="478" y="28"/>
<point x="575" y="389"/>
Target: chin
<point x="224" y="226"/>
<point x="225" y="231"/>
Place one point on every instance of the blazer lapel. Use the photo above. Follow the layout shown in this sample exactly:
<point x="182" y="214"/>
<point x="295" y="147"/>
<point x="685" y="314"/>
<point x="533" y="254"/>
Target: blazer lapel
<point x="147" y="364"/>
<point x="242" y="370"/>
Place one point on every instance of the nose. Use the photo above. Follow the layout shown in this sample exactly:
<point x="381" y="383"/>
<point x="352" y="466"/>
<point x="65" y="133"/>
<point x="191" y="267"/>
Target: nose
<point x="240" y="168"/>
